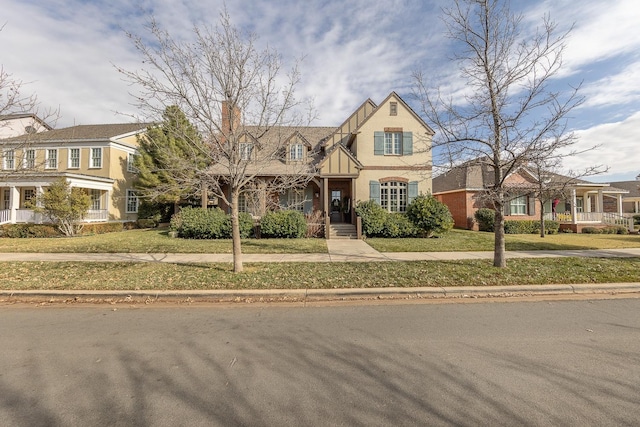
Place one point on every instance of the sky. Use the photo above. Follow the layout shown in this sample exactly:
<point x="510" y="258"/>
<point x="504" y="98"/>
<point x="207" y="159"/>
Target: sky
<point x="66" y="52"/>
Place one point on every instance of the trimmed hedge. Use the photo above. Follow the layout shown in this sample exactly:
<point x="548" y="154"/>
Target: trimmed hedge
<point x="284" y="224"/>
<point x="614" y="229"/>
<point x="376" y="222"/>
<point x="199" y="223"/>
<point x="530" y="227"/>
<point x="29" y="231"/>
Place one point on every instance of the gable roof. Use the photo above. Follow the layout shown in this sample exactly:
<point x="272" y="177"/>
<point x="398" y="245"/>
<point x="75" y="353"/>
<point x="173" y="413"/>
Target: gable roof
<point x="85" y="133"/>
<point x="633" y="187"/>
<point x="405" y="105"/>
<point x="477" y="175"/>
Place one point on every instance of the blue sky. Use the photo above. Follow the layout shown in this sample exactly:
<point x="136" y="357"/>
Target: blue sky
<point x="353" y="50"/>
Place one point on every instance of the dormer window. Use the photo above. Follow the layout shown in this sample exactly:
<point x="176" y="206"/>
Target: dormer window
<point x="246" y="148"/>
<point x="296" y="151"/>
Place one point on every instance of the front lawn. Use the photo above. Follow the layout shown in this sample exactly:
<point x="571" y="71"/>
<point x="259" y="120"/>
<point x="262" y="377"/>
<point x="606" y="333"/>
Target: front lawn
<point x="165" y="276"/>
<point x="157" y="241"/>
<point x="465" y="241"/>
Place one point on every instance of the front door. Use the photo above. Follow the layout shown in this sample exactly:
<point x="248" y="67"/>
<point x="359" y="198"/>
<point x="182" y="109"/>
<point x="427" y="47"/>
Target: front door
<point x="336" y="206"/>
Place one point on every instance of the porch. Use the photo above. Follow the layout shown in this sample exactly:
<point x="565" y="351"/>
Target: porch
<point x="590" y="205"/>
<point x="29" y="216"/>
<point x="590" y="219"/>
<point x="16" y="199"/>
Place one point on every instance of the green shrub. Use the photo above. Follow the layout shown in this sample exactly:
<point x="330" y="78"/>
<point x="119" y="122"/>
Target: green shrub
<point x="636" y="220"/>
<point x="29" y="231"/>
<point x="286" y="224"/>
<point x="429" y="215"/>
<point x="615" y="229"/>
<point x="527" y="226"/>
<point x="485" y="218"/>
<point x="158" y="212"/>
<point x="146" y="223"/>
<point x="199" y="223"/>
<point x="397" y="225"/>
<point x="105" y="227"/>
<point x="373" y="217"/>
<point x="592" y="230"/>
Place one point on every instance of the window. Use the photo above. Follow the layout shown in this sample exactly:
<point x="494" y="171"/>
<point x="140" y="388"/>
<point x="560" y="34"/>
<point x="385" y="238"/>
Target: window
<point x="52" y="159"/>
<point x="296" y="151"/>
<point x="296" y="199"/>
<point x="393" y="143"/>
<point x="29" y="159"/>
<point x="393" y="108"/>
<point x="518" y="205"/>
<point x="242" y="203"/>
<point x="8" y="159"/>
<point x="131" y="159"/>
<point x="96" y="158"/>
<point x="393" y="196"/>
<point x="96" y="199"/>
<point x="6" y="199"/>
<point x="74" y="158"/>
<point x="246" y="149"/>
<point x="28" y="194"/>
<point x="132" y="201"/>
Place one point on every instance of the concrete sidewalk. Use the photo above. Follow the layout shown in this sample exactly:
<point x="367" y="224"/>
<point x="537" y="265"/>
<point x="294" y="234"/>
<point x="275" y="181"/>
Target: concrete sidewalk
<point x="338" y="251"/>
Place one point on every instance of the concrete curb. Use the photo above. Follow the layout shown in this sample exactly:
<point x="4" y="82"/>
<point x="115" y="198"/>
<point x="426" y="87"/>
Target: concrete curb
<point x="297" y="295"/>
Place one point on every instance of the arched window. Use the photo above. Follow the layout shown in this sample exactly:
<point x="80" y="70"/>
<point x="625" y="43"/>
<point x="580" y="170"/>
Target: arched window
<point x="393" y="196"/>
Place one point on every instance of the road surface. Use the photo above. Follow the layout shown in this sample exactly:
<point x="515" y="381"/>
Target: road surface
<point x="489" y="363"/>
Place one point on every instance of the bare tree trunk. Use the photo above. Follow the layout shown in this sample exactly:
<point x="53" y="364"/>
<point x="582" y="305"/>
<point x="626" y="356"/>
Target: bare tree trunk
<point x="204" y="197"/>
<point x="499" y="259"/>
<point x="235" y="232"/>
<point x="542" y="231"/>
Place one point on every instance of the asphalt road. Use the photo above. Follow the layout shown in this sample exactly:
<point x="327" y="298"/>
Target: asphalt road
<point x="489" y="363"/>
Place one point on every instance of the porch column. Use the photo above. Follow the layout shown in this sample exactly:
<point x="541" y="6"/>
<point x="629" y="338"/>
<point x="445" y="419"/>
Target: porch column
<point x="619" y="199"/>
<point x="14" y="203"/>
<point x="325" y="196"/>
<point x="600" y="202"/>
<point x="36" y="216"/>
<point x="574" y="207"/>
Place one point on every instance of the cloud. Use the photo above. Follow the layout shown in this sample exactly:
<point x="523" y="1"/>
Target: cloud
<point x="618" y="147"/>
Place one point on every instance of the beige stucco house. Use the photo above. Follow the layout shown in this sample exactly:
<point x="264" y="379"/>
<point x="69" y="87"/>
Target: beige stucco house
<point x="380" y="152"/>
<point x="97" y="158"/>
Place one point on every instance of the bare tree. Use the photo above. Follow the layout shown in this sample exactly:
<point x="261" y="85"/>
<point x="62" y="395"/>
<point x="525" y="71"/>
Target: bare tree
<point x="508" y="116"/>
<point x="239" y="100"/>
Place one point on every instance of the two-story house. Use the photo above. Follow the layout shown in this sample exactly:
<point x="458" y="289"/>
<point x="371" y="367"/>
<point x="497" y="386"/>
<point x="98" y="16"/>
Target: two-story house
<point x="380" y="152"/>
<point x="97" y="158"/>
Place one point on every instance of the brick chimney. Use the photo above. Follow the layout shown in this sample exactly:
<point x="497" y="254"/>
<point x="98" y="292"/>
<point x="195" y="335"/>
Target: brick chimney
<point x="230" y="117"/>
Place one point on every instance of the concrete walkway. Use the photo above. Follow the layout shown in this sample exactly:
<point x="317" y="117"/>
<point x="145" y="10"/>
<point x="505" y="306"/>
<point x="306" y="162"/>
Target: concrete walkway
<point x="338" y="251"/>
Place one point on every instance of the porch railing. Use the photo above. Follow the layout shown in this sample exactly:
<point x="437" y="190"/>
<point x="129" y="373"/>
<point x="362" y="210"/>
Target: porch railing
<point x="96" y="215"/>
<point x="5" y="216"/>
<point x="27" y="215"/>
<point x="592" y="217"/>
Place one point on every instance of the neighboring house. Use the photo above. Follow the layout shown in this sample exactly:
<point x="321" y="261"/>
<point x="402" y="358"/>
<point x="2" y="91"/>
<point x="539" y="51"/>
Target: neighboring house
<point x="97" y="158"/>
<point x="21" y="124"/>
<point x="380" y="152"/>
<point x="579" y="203"/>
<point x="631" y="200"/>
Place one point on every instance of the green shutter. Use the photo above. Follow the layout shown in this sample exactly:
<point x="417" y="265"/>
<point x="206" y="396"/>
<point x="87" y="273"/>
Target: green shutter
<point x="412" y="191"/>
<point x="407" y="143"/>
<point x="378" y="143"/>
<point x="374" y="191"/>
